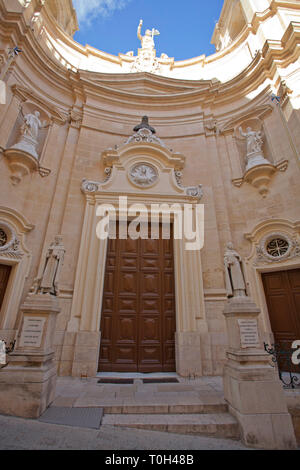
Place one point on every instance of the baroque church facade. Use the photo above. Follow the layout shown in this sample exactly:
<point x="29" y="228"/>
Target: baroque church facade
<point x="222" y="131"/>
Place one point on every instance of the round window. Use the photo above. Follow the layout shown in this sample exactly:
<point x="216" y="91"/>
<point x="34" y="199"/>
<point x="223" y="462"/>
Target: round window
<point x="3" y="237"/>
<point x="277" y="247"/>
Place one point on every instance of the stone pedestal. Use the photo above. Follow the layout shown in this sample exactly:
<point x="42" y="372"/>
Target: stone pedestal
<point x="188" y="354"/>
<point x="27" y="384"/>
<point x="260" y="176"/>
<point x="255" y="159"/>
<point x="251" y="385"/>
<point x="21" y="163"/>
<point x="86" y="354"/>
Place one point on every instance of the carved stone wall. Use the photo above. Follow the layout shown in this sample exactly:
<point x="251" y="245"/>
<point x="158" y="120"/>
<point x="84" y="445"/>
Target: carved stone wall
<point x="93" y="102"/>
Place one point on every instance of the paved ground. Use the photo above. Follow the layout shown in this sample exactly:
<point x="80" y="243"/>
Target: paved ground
<point x="17" y="434"/>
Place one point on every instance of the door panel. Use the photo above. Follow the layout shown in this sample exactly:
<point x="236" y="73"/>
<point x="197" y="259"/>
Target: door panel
<point x="4" y="277"/>
<point x="138" y="312"/>
<point x="282" y="291"/>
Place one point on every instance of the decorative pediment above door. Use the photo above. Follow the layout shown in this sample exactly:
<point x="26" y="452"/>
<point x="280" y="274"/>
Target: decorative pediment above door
<point x="143" y="164"/>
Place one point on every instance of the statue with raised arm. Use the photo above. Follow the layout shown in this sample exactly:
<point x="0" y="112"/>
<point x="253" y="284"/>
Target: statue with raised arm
<point x="30" y="132"/>
<point x="48" y="282"/>
<point x="32" y="125"/>
<point x="147" y="40"/>
<point x="234" y="276"/>
<point x="254" y="142"/>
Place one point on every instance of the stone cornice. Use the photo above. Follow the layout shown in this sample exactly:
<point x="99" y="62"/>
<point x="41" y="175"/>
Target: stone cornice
<point x="25" y="94"/>
<point x="167" y="92"/>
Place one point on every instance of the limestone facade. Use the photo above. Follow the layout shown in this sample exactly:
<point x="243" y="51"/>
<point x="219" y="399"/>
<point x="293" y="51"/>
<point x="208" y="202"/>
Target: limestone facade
<point x="90" y="101"/>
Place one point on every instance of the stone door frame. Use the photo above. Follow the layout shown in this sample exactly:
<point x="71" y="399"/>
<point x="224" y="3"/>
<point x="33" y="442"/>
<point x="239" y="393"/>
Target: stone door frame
<point x="88" y="290"/>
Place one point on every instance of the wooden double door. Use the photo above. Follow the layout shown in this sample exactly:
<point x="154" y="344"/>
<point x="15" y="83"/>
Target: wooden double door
<point x="138" y="312"/>
<point x="282" y="291"/>
<point x="4" y="277"/>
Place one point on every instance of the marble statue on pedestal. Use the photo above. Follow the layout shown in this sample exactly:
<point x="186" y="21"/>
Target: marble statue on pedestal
<point x="234" y="276"/>
<point x="254" y="142"/>
<point x="48" y="282"/>
<point x="30" y="133"/>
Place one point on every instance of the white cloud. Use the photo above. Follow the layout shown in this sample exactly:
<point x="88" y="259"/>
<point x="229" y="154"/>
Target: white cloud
<point x="87" y="10"/>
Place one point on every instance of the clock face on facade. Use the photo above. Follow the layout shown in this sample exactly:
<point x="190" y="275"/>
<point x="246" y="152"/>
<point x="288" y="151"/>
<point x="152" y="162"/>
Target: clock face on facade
<point x="143" y="174"/>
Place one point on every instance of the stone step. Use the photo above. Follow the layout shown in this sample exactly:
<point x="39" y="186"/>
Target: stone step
<point x="215" y="425"/>
<point x="188" y="408"/>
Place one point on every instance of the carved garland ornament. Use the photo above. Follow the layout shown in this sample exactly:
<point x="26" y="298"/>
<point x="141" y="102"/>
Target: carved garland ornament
<point x="9" y="243"/>
<point x="145" y="135"/>
<point x="276" y="247"/>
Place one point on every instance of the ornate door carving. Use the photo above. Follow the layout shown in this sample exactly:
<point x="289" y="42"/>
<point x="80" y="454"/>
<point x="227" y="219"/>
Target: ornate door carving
<point x="138" y="311"/>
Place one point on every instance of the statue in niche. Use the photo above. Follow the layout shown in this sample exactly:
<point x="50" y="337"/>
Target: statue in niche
<point x="147" y="41"/>
<point x="234" y="276"/>
<point x="254" y="141"/>
<point x="49" y="281"/>
<point x="32" y="125"/>
<point x="30" y="133"/>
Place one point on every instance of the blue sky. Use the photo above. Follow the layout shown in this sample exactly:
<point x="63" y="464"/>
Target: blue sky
<point x="186" y="27"/>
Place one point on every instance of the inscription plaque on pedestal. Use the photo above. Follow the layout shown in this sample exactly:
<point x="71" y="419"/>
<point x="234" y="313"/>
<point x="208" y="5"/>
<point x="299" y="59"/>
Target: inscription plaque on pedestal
<point x="249" y="333"/>
<point x="32" y="332"/>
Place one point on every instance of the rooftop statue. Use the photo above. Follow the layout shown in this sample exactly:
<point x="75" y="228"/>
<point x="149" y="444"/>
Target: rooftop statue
<point x="147" y="41"/>
<point x="146" y="60"/>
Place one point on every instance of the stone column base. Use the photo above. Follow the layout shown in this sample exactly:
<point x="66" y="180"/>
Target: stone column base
<point x="188" y="354"/>
<point x="86" y="354"/>
<point x="27" y="385"/>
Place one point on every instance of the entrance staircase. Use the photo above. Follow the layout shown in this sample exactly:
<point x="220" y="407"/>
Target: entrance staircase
<point x="203" y="419"/>
<point x="185" y="406"/>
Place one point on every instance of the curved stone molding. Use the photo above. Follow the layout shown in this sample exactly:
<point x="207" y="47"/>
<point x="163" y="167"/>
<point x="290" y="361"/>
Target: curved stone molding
<point x="26" y="95"/>
<point x="274" y="229"/>
<point x="11" y="248"/>
<point x="264" y="257"/>
<point x="143" y="162"/>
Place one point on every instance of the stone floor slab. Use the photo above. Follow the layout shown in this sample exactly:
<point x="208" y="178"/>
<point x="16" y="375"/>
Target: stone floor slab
<point x="79" y="417"/>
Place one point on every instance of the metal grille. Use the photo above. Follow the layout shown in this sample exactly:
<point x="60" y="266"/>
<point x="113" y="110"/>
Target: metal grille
<point x="3" y="237"/>
<point x="277" y="247"/>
